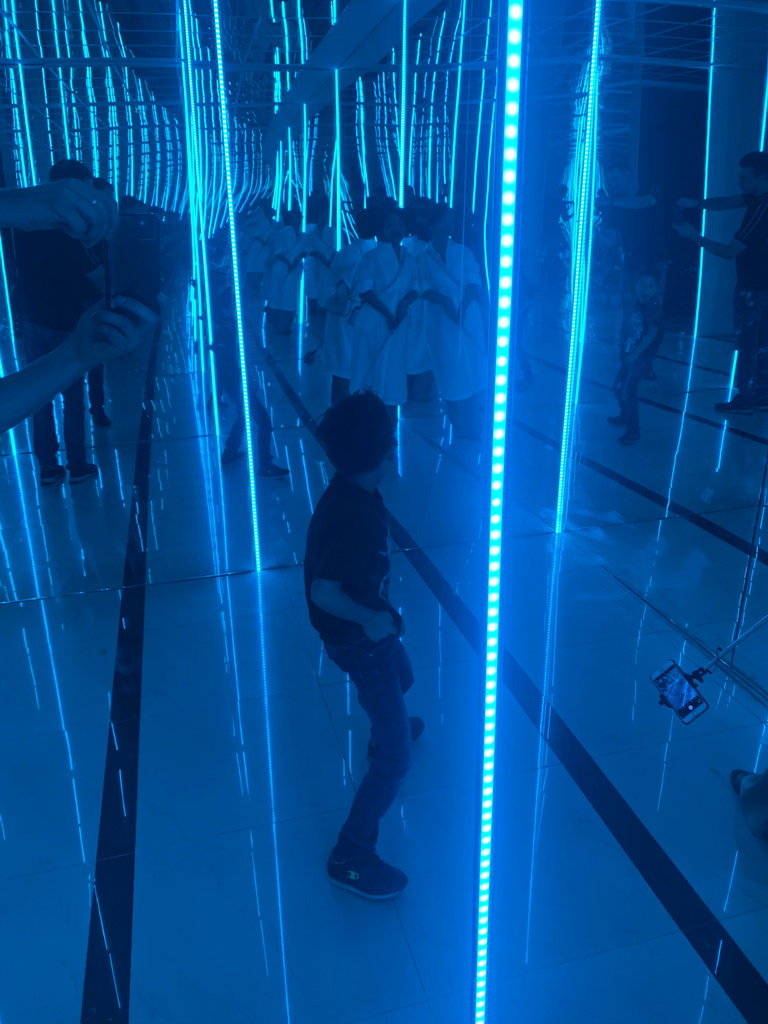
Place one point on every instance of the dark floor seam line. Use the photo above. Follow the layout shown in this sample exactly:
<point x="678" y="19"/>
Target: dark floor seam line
<point x="729" y="428"/>
<point x="722" y="956"/>
<point x="106" y="991"/>
<point x="695" y="518"/>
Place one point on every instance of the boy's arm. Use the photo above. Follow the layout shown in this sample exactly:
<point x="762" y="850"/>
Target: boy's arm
<point x="329" y="596"/>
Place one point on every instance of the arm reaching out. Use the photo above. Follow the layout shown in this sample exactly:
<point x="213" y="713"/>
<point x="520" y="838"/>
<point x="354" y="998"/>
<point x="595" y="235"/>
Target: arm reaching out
<point x="75" y="207"/>
<point x="101" y="334"/>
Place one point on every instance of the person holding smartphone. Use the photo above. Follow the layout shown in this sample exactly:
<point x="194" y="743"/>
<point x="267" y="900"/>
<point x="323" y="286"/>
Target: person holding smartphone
<point x="749" y="248"/>
<point x="346" y="578"/>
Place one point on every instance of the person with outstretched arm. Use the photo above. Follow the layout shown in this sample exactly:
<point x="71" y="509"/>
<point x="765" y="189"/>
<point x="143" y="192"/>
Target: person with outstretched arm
<point x="749" y="248"/>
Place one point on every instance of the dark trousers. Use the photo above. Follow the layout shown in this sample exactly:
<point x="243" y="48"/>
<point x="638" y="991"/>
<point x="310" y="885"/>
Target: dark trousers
<point x="96" y="387"/>
<point x="263" y="429"/>
<point x="750" y="313"/>
<point x="38" y="342"/>
<point x="382" y="674"/>
<point x="625" y="386"/>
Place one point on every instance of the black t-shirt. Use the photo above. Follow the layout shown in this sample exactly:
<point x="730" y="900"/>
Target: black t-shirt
<point x="752" y="263"/>
<point x="348" y="542"/>
<point x="639" y="319"/>
<point x="52" y="289"/>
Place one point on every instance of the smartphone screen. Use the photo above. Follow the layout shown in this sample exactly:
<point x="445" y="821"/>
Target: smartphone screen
<point x="685" y="700"/>
<point x="132" y="265"/>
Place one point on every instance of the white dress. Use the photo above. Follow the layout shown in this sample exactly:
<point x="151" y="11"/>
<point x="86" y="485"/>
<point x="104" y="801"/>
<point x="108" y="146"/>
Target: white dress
<point x="458" y="353"/>
<point x="315" y="271"/>
<point x="258" y="250"/>
<point x="379" y="358"/>
<point x="337" y="336"/>
<point x="419" y="360"/>
<point x="281" y="284"/>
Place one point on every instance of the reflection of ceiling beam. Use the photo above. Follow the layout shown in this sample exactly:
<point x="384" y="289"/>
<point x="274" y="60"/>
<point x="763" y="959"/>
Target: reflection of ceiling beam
<point x="362" y="37"/>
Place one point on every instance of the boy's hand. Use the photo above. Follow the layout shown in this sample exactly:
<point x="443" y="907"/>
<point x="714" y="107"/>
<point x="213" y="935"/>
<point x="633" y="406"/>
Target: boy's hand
<point x="378" y="626"/>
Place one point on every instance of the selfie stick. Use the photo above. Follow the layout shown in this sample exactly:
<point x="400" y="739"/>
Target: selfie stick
<point x="699" y="673"/>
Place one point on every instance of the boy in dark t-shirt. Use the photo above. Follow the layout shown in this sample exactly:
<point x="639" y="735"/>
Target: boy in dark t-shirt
<point x="642" y="332"/>
<point x="346" y="579"/>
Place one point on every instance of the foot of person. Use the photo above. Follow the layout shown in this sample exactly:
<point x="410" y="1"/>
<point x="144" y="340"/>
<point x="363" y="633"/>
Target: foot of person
<point x="273" y="470"/>
<point x="741" y="404"/>
<point x="84" y="471"/>
<point x="417" y="728"/>
<point x="737" y="777"/>
<point x="52" y="475"/>
<point x="629" y="438"/>
<point x="370" y="877"/>
<point x="99" y="417"/>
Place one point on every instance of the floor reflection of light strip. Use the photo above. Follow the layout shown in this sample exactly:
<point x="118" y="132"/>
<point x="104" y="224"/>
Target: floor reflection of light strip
<point x="581" y="257"/>
<point x="511" y="113"/>
<point x="225" y="140"/>
<point x="401" y="170"/>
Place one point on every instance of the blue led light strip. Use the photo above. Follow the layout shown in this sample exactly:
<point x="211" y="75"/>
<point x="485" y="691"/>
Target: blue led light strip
<point x="764" y="126"/>
<point x="403" y="109"/>
<point x="337" y="192"/>
<point x="462" y="27"/>
<point x="511" y="103"/>
<point x="480" y="118"/>
<point x="582" y="254"/>
<point x="31" y="173"/>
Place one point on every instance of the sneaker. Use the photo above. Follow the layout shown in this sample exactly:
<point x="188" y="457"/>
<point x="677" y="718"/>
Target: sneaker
<point x="417" y="728"/>
<point x="371" y="877"/>
<point x="740" y="404"/>
<point x="85" y="471"/>
<point x="99" y="417"/>
<point x="230" y="455"/>
<point x="616" y="421"/>
<point x="52" y="474"/>
<point x="629" y="438"/>
<point x="271" y="470"/>
<point x="737" y="777"/>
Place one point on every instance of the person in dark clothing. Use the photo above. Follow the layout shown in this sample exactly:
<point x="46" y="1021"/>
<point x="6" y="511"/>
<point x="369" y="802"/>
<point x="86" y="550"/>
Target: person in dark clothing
<point x="96" y="395"/>
<point x="226" y="357"/>
<point x="346" y="579"/>
<point x="52" y="292"/>
<point x="642" y="332"/>
<point x="749" y="247"/>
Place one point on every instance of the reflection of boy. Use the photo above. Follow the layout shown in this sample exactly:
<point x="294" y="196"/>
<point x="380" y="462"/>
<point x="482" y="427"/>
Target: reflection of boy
<point x="346" y="576"/>
<point x="642" y="331"/>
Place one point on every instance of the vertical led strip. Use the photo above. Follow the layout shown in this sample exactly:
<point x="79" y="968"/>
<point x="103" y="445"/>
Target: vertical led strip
<point x="27" y="140"/>
<point x="511" y="101"/>
<point x="403" y="108"/>
<point x="582" y="254"/>
<point x="764" y="126"/>
<point x="337" y="193"/>
<point x="462" y="27"/>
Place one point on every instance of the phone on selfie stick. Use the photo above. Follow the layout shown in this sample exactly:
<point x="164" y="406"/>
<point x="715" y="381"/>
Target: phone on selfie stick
<point x="679" y="691"/>
<point x="131" y="260"/>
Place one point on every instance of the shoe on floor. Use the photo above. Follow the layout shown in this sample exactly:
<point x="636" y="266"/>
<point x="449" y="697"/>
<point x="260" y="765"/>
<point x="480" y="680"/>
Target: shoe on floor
<point x="273" y="470"/>
<point x="52" y="474"/>
<point x="371" y="877"/>
<point x="228" y="456"/>
<point x="99" y="417"/>
<point x="740" y="403"/>
<point x="85" y="471"/>
<point x="616" y="421"/>
<point x="737" y="777"/>
<point x="417" y="728"/>
<point x="629" y="438"/>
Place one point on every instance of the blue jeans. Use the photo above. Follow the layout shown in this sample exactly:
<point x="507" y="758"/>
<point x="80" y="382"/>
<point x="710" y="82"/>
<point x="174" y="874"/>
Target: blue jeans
<point x="382" y="674"/>
<point x="751" y="316"/>
<point x="39" y="341"/>
<point x="625" y="387"/>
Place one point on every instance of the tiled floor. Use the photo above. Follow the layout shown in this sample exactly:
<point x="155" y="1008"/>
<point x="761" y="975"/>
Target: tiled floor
<point x="251" y="742"/>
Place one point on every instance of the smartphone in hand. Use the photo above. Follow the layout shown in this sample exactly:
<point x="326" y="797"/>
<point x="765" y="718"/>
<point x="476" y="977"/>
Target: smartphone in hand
<point x="132" y="260"/>
<point x="679" y="692"/>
